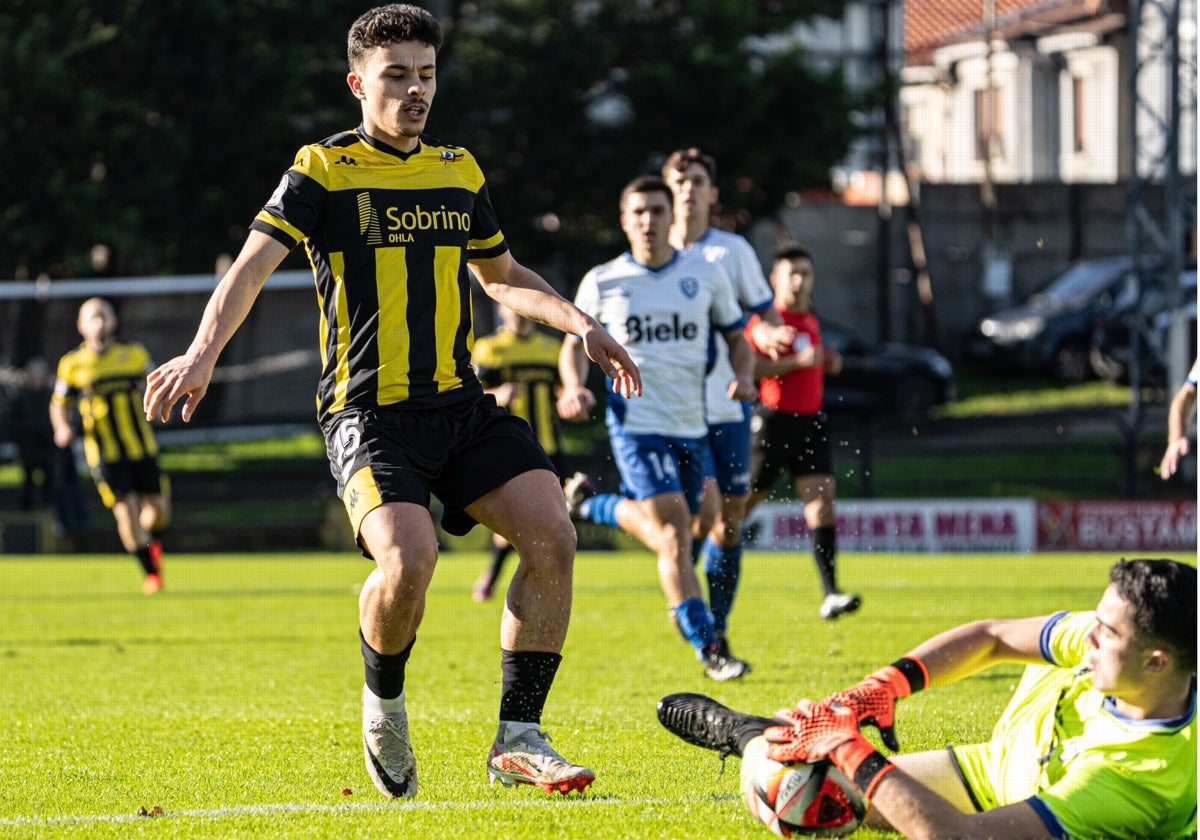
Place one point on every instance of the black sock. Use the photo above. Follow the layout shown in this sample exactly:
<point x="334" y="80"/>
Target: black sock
<point x="752" y="727"/>
<point x="498" y="556"/>
<point x="142" y="555"/>
<point x="824" y="544"/>
<point x="527" y="677"/>
<point x="385" y="672"/>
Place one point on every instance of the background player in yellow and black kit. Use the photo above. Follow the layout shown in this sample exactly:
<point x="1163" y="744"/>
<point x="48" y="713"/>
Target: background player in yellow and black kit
<point x="104" y="377"/>
<point x="395" y="224"/>
<point x="518" y="365"/>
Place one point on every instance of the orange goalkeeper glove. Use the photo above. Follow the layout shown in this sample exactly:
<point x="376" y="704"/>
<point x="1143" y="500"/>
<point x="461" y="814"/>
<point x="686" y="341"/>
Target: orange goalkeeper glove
<point x="828" y="730"/>
<point x="873" y="699"/>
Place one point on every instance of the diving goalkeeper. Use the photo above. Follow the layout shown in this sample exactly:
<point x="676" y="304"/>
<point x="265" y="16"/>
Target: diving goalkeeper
<point x="1099" y="739"/>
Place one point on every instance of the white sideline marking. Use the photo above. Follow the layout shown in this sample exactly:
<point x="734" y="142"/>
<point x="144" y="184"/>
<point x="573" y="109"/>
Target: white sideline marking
<point x="316" y="808"/>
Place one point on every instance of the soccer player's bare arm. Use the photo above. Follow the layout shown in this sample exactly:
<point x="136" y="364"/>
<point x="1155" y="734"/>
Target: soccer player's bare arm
<point x="60" y="420"/>
<point x="965" y="650"/>
<point x="741" y="358"/>
<point x="575" y="401"/>
<point x="903" y="804"/>
<point x="1183" y="406"/>
<point x="525" y="292"/>
<point x="766" y="367"/>
<point x="773" y="337"/>
<point x="189" y="375"/>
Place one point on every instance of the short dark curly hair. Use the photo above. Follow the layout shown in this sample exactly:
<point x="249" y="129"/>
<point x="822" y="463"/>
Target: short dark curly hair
<point x="1163" y="596"/>
<point x="391" y="24"/>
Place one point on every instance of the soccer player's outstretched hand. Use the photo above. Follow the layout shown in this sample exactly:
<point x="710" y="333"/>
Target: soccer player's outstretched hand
<point x="827" y="730"/>
<point x="873" y="699"/>
<point x="613" y="359"/>
<point x="170" y="382"/>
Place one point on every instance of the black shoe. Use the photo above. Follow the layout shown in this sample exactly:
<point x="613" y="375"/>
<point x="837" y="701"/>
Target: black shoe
<point x="704" y="722"/>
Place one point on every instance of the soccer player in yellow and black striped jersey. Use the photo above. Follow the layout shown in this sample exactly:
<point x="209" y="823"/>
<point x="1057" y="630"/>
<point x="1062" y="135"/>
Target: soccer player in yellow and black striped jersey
<point x="103" y="376"/>
<point x="395" y="223"/>
<point x="518" y="365"/>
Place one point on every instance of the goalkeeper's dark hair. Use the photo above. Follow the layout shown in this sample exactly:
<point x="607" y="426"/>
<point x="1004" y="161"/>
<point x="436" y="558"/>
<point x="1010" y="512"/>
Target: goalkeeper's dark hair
<point x="1163" y="596"/>
<point x="391" y="24"/>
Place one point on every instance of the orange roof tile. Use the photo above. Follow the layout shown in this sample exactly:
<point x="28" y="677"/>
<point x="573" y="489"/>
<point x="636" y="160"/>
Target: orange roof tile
<point x="929" y="24"/>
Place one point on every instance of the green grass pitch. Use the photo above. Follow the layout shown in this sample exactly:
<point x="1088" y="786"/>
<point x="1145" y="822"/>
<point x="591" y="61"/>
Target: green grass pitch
<point x="230" y="700"/>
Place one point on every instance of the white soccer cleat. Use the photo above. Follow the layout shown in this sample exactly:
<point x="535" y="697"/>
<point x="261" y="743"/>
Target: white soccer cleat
<point x="839" y="603"/>
<point x="527" y="758"/>
<point x="388" y="751"/>
<point x="577" y="490"/>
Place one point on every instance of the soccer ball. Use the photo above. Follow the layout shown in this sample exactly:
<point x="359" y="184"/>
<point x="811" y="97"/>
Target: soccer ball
<point x="799" y="799"/>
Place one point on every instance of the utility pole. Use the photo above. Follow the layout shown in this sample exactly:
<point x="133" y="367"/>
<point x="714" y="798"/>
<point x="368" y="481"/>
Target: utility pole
<point x="883" y="261"/>
<point x="997" y="267"/>
<point x="1159" y="67"/>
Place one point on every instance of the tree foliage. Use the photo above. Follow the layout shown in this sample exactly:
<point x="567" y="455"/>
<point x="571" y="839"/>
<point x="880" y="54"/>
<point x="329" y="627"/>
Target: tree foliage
<point x="159" y="127"/>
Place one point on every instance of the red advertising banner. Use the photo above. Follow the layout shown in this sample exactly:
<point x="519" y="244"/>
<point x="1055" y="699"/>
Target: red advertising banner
<point x="1120" y="526"/>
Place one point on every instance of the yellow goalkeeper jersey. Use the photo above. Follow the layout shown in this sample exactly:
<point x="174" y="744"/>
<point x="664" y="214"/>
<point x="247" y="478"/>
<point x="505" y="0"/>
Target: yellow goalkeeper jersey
<point x="1088" y="770"/>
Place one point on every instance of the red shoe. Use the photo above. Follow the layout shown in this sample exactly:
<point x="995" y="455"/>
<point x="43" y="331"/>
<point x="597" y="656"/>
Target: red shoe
<point x="152" y="583"/>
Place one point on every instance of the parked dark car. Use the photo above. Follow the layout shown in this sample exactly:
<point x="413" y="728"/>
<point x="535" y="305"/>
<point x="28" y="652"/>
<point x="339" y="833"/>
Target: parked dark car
<point x="1112" y="347"/>
<point x="886" y="380"/>
<point x="1051" y="330"/>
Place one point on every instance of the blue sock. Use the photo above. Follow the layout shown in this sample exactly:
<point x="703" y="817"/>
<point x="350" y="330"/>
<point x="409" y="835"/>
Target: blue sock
<point x="601" y="509"/>
<point x="696" y="624"/>
<point x="723" y="570"/>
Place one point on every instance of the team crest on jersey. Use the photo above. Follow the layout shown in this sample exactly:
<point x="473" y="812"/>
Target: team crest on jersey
<point x="690" y="286"/>
<point x="451" y="157"/>
<point x="368" y="220"/>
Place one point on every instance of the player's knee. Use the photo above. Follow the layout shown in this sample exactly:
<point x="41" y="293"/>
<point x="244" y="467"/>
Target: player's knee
<point x="551" y="542"/>
<point x="401" y="568"/>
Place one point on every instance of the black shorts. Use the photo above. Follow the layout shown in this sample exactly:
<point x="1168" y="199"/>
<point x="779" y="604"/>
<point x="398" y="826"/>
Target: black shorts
<point x="117" y="479"/>
<point x="797" y="444"/>
<point x="459" y="454"/>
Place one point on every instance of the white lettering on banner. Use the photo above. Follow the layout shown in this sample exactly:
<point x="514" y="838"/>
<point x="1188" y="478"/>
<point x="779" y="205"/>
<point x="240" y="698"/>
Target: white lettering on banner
<point x="1000" y="525"/>
<point x="1132" y="526"/>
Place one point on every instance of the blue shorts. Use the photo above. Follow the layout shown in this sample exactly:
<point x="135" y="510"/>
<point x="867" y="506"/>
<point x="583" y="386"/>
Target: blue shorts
<point x="729" y="457"/>
<point x="651" y="465"/>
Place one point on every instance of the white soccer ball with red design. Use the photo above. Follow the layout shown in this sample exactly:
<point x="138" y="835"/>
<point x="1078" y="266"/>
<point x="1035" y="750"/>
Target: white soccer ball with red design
<point x="799" y="799"/>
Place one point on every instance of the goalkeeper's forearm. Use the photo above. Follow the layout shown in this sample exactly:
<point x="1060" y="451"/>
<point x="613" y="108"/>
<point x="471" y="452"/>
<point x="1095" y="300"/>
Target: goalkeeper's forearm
<point x="969" y="648"/>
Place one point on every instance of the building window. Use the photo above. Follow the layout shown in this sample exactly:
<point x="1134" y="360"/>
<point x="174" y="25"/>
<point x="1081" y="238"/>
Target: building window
<point x="987" y="124"/>
<point x="1078" y="120"/>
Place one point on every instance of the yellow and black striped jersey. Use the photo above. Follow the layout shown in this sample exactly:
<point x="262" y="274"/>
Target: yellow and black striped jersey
<point x="531" y="362"/>
<point x="107" y="386"/>
<point x="388" y="235"/>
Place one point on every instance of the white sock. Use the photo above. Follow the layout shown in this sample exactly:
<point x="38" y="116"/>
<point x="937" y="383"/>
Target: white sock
<point x="373" y="706"/>
<point x="510" y="729"/>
